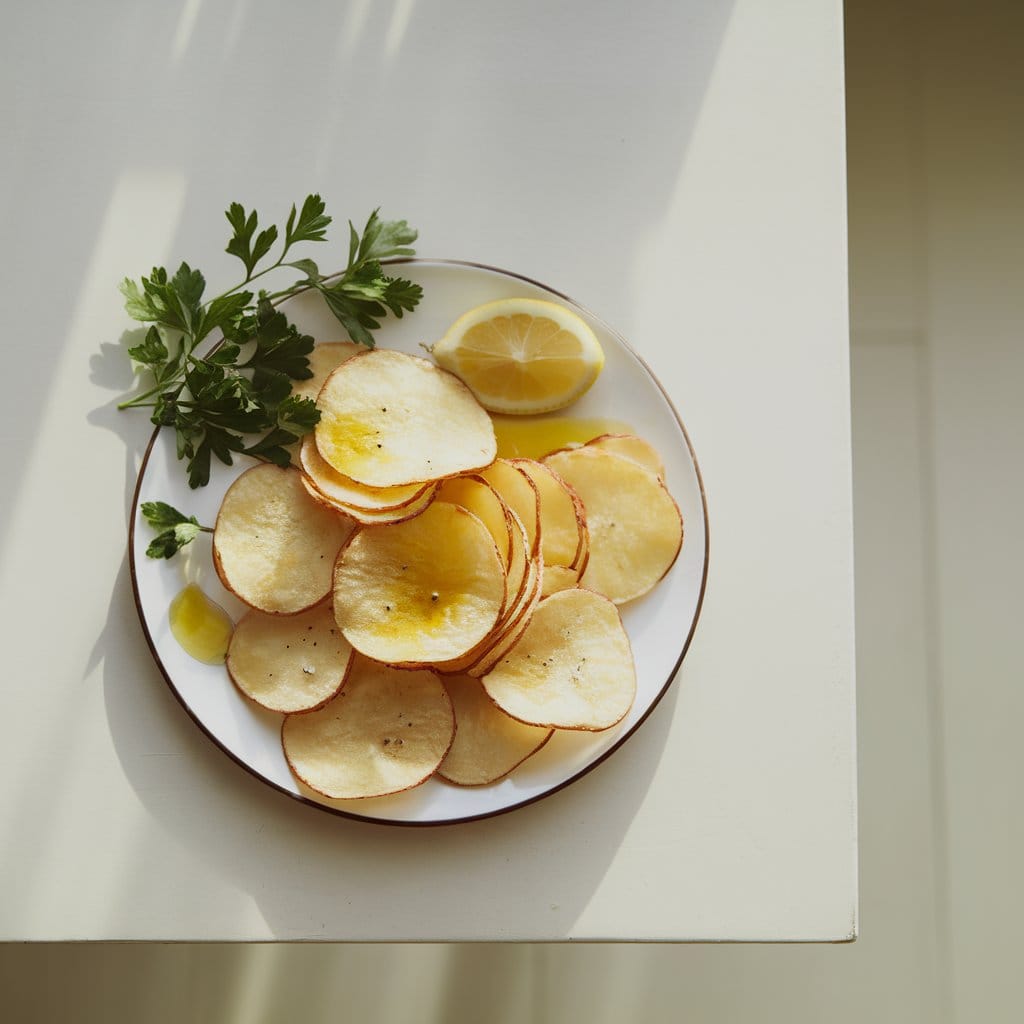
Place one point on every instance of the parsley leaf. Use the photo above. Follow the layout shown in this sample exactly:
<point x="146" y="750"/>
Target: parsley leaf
<point x="162" y="516"/>
<point x="363" y="294"/>
<point x="279" y="345"/>
<point x="241" y="244"/>
<point x="382" y="239"/>
<point x="401" y="296"/>
<point x="311" y="225"/>
<point x="175" y="528"/>
<point x="152" y="351"/>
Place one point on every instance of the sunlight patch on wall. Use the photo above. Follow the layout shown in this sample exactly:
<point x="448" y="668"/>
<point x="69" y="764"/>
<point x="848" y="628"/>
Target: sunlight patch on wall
<point x="186" y="26"/>
<point x="355" y="25"/>
<point x="400" y="18"/>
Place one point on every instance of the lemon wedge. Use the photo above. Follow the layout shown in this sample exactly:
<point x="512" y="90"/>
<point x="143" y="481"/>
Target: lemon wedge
<point x="522" y="355"/>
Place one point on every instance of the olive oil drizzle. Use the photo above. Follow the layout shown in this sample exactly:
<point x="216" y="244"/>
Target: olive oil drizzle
<point x="201" y="627"/>
<point x="531" y="437"/>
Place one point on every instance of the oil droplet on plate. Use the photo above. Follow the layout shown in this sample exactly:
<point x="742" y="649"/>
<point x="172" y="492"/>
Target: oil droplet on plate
<point x="202" y="627"/>
<point x="530" y="437"/>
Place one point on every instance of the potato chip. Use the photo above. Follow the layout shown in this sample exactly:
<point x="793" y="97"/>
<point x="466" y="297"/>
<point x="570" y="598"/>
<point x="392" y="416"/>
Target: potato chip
<point x="325" y="357"/>
<point x="562" y="515"/>
<point x="289" y="662"/>
<point x="386" y="731"/>
<point x="512" y="629"/>
<point x="422" y="591"/>
<point x="373" y="517"/>
<point x="519" y="557"/>
<point x="274" y="546"/>
<point x="476" y="495"/>
<point x="520" y="493"/>
<point x="520" y="581"/>
<point x="341" y="491"/>
<point x="556" y="578"/>
<point x="629" y="446"/>
<point x="635" y="526"/>
<point x="488" y="743"/>
<point x="583" y="555"/>
<point x="390" y="419"/>
<point x="572" y="668"/>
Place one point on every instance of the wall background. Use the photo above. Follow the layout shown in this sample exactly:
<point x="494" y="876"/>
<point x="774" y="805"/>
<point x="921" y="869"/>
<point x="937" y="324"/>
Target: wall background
<point x="936" y="162"/>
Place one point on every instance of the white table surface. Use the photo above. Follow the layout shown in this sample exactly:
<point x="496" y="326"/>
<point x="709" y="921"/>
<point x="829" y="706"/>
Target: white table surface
<point x="678" y="168"/>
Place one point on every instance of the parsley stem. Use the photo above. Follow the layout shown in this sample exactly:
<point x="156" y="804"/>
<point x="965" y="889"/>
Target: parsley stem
<point x="139" y="401"/>
<point x="258" y="274"/>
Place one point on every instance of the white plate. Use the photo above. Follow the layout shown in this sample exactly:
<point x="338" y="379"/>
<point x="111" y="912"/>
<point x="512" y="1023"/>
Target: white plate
<point x="660" y="625"/>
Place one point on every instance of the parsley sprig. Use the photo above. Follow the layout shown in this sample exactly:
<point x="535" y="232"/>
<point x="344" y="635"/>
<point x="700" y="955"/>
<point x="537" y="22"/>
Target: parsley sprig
<point x="237" y="397"/>
<point x="174" y="528"/>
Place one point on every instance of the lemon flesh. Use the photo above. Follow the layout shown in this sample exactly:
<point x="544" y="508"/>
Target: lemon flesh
<point x="522" y="356"/>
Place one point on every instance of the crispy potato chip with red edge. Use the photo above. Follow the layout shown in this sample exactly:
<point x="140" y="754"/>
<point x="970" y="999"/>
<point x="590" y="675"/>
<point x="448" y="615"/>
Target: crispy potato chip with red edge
<point x="385" y="732"/>
<point x="289" y="663"/>
<point x="636" y="529"/>
<point x="273" y="545"/>
<point x="520" y="493"/>
<point x="476" y="495"/>
<point x="373" y="517"/>
<point x="519" y="583"/>
<point x="519" y="556"/>
<point x="562" y="515"/>
<point x="422" y="591"/>
<point x="571" y="669"/>
<point x="513" y="628"/>
<point x="389" y="419"/>
<point x="339" y="490"/>
<point x="488" y="743"/>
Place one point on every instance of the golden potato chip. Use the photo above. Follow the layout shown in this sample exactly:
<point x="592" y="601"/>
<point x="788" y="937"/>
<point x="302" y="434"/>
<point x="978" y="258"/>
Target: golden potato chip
<point x="571" y="669"/>
<point x="289" y="662"/>
<point x="629" y="446"/>
<point x="562" y="515"/>
<point x="325" y="357"/>
<point x="274" y="546"/>
<point x="583" y="555"/>
<point x="422" y="591"/>
<point x="389" y="419"/>
<point x="635" y="526"/>
<point x="520" y="493"/>
<point x="488" y="743"/>
<point x="512" y="622"/>
<point x="556" y="578"/>
<point x="519" y="556"/>
<point x="386" y="731"/>
<point x="520" y="581"/>
<point x="512" y="630"/>
<point x="476" y="495"/>
<point x="373" y="517"/>
<point x="339" y="490"/>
